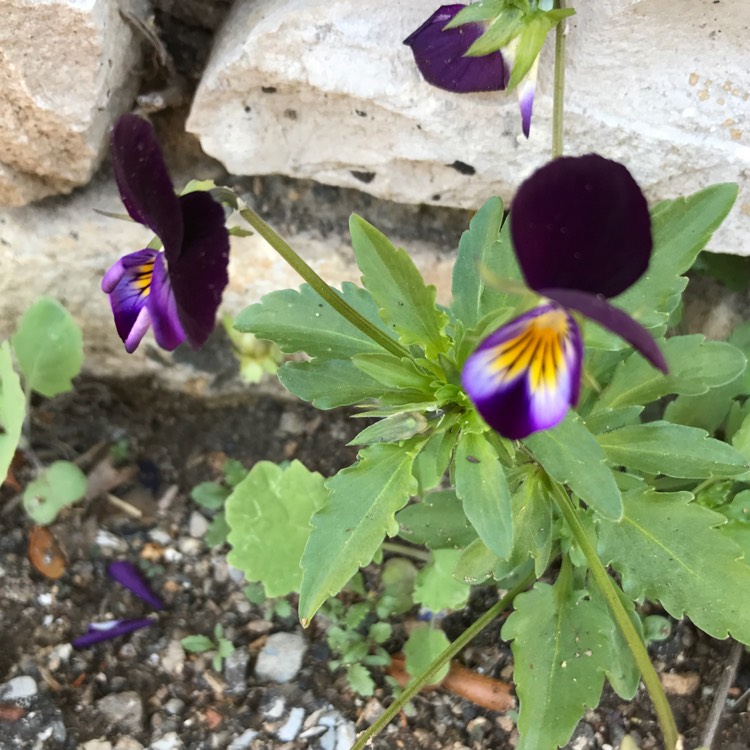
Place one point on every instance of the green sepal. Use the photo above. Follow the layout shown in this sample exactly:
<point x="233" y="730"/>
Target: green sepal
<point x="482" y="486"/>
<point x="669" y="549"/>
<point x="48" y="345"/>
<point x="405" y="303"/>
<point x="571" y="455"/>
<point x="672" y="449"/>
<point x="505" y="26"/>
<point x="484" y="10"/>
<point x="268" y="514"/>
<point x="349" y="529"/>
<point x="301" y="321"/>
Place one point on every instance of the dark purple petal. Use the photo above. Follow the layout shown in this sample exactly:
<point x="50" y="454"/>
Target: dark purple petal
<point x="168" y="331"/>
<point x="613" y="319"/>
<point x="440" y="57"/>
<point x="126" y="574"/>
<point x="526" y="91"/>
<point x="523" y="377"/>
<point x="144" y="183"/>
<point x="105" y="631"/>
<point x="581" y="223"/>
<point x="199" y="276"/>
<point x="128" y="283"/>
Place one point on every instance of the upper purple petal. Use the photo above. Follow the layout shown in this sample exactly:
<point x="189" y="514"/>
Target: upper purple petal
<point x="129" y="285"/>
<point x="521" y="381"/>
<point x="105" y="631"/>
<point x="439" y="55"/>
<point x="144" y="183"/>
<point x="126" y="574"/>
<point x="613" y="319"/>
<point x="199" y="276"/>
<point x="168" y="330"/>
<point x="581" y="223"/>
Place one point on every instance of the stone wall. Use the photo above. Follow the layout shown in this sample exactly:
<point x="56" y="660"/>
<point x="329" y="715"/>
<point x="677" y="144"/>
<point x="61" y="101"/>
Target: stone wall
<point x="325" y="90"/>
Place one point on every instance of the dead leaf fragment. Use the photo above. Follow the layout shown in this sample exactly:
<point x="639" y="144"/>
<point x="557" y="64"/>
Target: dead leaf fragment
<point x="45" y="553"/>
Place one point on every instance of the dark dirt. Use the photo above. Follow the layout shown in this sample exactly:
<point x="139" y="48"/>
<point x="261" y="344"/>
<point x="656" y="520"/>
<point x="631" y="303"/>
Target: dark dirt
<point x="174" y="439"/>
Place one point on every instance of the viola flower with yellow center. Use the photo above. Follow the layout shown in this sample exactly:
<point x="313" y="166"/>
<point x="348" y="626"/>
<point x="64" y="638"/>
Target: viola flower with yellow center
<point x="582" y="234"/>
<point x="176" y="290"/>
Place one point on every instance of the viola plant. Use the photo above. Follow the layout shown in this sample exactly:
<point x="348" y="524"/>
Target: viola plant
<point x="509" y="439"/>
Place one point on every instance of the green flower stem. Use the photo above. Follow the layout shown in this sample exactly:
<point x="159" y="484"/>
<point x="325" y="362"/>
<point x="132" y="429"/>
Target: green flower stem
<point x="427" y="676"/>
<point x="559" y="87"/>
<point x="624" y="623"/>
<point x="329" y="295"/>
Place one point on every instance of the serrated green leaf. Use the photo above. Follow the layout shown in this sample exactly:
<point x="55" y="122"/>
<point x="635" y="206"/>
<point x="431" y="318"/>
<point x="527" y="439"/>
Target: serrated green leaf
<point x="560" y="654"/>
<point x="380" y="632"/>
<point x="301" y="321"/>
<point x="571" y="455"/>
<point x="695" y="366"/>
<point x="393" y="372"/>
<point x="360" y="680"/>
<point x="435" y="586"/>
<point x="211" y="495"/>
<point x="234" y="472"/>
<point x="12" y="409"/>
<point x="438" y="521"/>
<point x="423" y="646"/>
<point x="669" y="549"/>
<point x="671" y="449"/>
<point x="268" y="514"/>
<point x="610" y="419"/>
<point x="49" y="347"/>
<point x="349" y="528"/>
<point x="218" y="531"/>
<point x="59" y="485"/>
<point x="482" y="487"/>
<point x="406" y="304"/>
<point x="197" y="644"/>
<point x="681" y="229"/>
<point x="397" y="579"/>
<point x="707" y="411"/>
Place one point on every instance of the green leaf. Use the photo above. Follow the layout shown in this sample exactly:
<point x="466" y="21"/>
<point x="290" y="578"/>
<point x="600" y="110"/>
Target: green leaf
<point x="392" y="429"/>
<point x="438" y="522"/>
<point x="48" y="347"/>
<point x="360" y="680"/>
<point x="380" y="632"/>
<point x="560" y="654"/>
<point x="707" y="411"/>
<point x="268" y="514"/>
<point x="502" y="29"/>
<point x="301" y="321"/>
<point x="732" y="271"/>
<point x="695" y="366"/>
<point x="59" y="485"/>
<point x="681" y="228"/>
<point x="397" y="579"/>
<point x="423" y="646"/>
<point x="12" y="409"/>
<point x="349" y="528"/>
<point x="218" y="531"/>
<point x="571" y="455"/>
<point x="432" y="460"/>
<point x="476" y="563"/>
<point x="669" y="549"/>
<point x="393" y="372"/>
<point x="484" y="10"/>
<point x="483" y="489"/>
<point x="211" y="495"/>
<point x="406" y="304"/>
<point x="197" y="644"/>
<point x="234" y="472"/>
<point x="435" y="586"/>
<point x="671" y="449"/>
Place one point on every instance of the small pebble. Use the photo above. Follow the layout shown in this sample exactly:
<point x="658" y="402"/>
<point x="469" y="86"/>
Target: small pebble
<point x="174" y="706"/>
<point x="127" y="743"/>
<point x="280" y="658"/>
<point x="96" y="745"/>
<point x="198" y="525"/>
<point x="123" y="710"/>
<point x="21" y="689"/>
<point x="173" y="659"/>
<point x="235" y="671"/>
<point x="276" y="708"/>
<point x="676" y="683"/>
<point x="244" y="740"/>
<point x="345" y="736"/>
<point x="372" y="711"/>
<point x="188" y="546"/>
<point x="290" y="729"/>
<point x="169" y="741"/>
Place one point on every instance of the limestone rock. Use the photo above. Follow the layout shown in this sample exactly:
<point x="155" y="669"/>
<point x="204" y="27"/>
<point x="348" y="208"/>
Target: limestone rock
<point x="325" y="89"/>
<point x="66" y="71"/>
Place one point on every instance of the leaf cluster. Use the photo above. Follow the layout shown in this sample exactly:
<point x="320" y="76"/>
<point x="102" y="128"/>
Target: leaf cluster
<point x="658" y="468"/>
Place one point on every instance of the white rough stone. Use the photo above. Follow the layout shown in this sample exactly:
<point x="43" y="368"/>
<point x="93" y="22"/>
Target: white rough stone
<point x="325" y="89"/>
<point x="66" y="71"/>
<point x="280" y="658"/>
<point x="21" y="688"/>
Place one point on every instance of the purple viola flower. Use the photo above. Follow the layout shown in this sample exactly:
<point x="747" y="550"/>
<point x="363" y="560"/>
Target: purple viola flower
<point x="440" y="55"/>
<point x="127" y="575"/>
<point x="582" y="233"/>
<point x="176" y="291"/>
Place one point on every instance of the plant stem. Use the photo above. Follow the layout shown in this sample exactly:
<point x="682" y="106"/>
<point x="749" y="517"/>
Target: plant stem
<point x="624" y="623"/>
<point x="402" y="549"/>
<point x="329" y="295"/>
<point x="427" y="676"/>
<point x="559" y="89"/>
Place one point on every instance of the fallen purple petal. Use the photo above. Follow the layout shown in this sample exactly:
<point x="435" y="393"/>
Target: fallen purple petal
<point x="126" y="574"/>
<point x="106" y="631"/>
